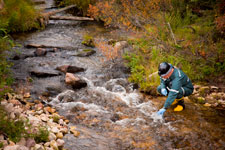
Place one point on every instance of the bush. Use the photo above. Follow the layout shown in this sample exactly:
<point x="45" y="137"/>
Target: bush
<point x="13" y="129"/>
<point x="18" y="15"/>
<point x="42" y="135"/>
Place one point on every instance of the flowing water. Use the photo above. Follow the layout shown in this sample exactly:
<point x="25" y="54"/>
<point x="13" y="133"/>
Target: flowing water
<point x="110" y="113"/>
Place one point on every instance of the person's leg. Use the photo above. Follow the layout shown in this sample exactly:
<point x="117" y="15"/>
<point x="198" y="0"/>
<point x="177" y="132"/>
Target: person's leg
<point x="179" y="101"/>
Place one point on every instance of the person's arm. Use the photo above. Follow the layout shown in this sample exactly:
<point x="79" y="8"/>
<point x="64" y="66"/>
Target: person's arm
<point x="173" y="92"/>
<point x="162" y="83"/>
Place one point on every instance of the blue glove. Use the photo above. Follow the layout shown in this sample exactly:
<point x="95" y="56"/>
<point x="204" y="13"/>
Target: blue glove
<point x="161" y="111"/>
<point x="164" y="91"/>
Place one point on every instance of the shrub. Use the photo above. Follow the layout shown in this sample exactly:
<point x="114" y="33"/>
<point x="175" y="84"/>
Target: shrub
<point x="14" y="129"/>
<point x="42" y="135"/>
<point x="18" y="15"/>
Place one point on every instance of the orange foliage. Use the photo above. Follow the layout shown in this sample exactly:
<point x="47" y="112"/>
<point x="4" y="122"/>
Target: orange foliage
<point x="125" y="13"/>
<point x="110" y="52"/>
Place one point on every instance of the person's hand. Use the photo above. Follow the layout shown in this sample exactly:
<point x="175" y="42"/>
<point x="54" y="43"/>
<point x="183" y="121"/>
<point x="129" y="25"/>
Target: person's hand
<point x="164" y="91"/>
<point x="161" y="111"/>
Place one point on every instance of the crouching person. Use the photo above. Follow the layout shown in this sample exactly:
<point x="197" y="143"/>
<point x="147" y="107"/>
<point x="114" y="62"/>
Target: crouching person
<point x="175" y="84"/>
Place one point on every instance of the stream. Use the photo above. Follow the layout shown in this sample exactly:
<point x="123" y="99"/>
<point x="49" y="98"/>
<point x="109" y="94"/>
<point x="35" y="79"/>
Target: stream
<point x="110" y="113"/>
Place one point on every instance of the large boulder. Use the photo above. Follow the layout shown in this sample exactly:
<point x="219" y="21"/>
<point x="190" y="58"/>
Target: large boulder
<point x="74" y="81"/>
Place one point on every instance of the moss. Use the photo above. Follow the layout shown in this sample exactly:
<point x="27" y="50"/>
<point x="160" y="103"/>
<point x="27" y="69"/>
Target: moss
<point x="88" y="41"/>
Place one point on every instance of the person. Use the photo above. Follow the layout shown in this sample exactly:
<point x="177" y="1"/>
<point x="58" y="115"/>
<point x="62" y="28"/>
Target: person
<point x="175" y="84"/>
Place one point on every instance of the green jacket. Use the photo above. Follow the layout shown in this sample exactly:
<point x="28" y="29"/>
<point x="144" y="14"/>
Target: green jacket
<point x="177" y="84"/>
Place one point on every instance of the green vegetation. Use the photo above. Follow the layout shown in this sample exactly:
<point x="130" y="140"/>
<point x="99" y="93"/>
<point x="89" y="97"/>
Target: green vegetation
<point x="42" y="135"/>
<point x="15" y="16"/>
<point x="198" y="51"/>
<point x="82" y="5"/>
<point x="18" y="15"/>
<point x="88" y="41"/>
<point x="15" y="129"/>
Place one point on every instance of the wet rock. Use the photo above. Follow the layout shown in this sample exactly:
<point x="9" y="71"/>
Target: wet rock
<point x="53" y="89"/>
<point x="69" y="69"/>
<point x="74" y="81"/>
<point x="42" y="73"/>
<point x="88" y="41"/>
<point x="40" y="52"/>
<point x="21" y="56"/>
<point x="74" y="69"/>
<point x="85" y="52"/>
<point x="62" y="68"/>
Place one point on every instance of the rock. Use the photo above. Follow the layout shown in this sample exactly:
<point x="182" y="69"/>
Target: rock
<point x="60" y="142"/>
<point x="40" y="52"/>
<point x="74" y="69"/>
<point x="12" y="115"/>
<point x="55" y="130"/>
<point x="11" y="147"/>
<point x="4" y="142"/>
<point x="59" y="135"/>
<point x="42" y="73"/>
<point x="207" y="105"/>
<point x="16" y="147"/>
<point x="30" y="143"/>
<point x="88" y="41"/>
<point x="49" y="148"/>
<point x="64" y="130"/>
<point x="70" y="79"/>
<point x="21" y="142"/>
<point x="221" y="102"/>
<point x="51" y="136"/>
<point x="26" y="95"/>
<point x="44" y="117"/>
<point x="38" y="147"/>
<point x="61" y="122"/>
<point x="1" y="137"/>
<point x="74" y="81"/>
<point x="50" y="110"/>
<point x="53" y="89"/>
<point x="69" y="69"/>
<point x="15" y="102"/>
<point x="54" y="145"/>
<point x="74" y="132"/>
<point x="201" y="100"/>
<point x="9" y="107"/>
<point x="22" y="148"/>
<point x="120" y="45"/>
<point x="85" y="52"/>
<point x="47" y="144"/>
<point x="62" y="68"/>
